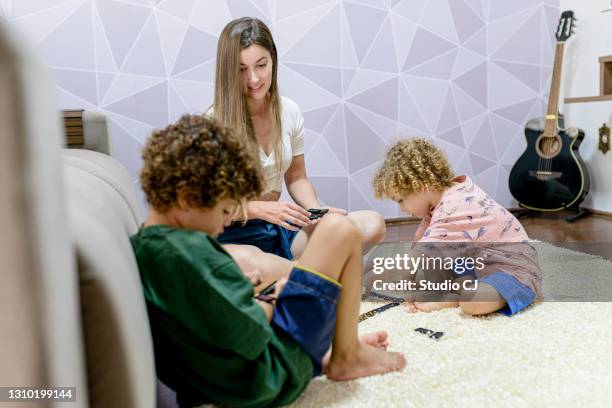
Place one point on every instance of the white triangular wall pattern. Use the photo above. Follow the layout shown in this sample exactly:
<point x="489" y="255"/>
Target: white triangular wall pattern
<point x="147" y="62"/>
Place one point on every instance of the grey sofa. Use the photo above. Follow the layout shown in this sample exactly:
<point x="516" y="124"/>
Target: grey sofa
<point x="72" y="313"/>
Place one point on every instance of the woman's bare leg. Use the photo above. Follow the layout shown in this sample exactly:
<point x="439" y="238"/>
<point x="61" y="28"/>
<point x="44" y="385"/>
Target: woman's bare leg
<point x="371" y="225"/>
<point x="269" y="266"/>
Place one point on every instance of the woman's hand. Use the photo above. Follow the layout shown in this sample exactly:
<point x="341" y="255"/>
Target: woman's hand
<point x="281" y="213"/>
<point x="332" y="210"/>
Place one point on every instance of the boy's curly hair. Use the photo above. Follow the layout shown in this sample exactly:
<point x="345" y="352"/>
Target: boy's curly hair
<point x="407" y="164"/>
<point x="204" y="160"/>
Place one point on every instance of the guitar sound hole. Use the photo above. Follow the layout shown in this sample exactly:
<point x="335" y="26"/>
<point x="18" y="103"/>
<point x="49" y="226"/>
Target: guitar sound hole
<point x="548" y="146"/>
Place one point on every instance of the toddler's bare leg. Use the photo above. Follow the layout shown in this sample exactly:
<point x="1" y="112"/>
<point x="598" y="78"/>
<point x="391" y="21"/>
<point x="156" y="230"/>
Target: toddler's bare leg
<point x="371" y="225"/>
<point x="483" y="300"/>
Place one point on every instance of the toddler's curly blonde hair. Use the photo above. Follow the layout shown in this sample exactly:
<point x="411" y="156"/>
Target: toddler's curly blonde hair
<point x="409" y="163"/>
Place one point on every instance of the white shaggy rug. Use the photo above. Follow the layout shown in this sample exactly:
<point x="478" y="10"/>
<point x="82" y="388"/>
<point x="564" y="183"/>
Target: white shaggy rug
<point x="553" y="354"/>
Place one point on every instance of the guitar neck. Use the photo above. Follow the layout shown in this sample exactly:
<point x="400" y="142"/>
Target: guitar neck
<point x="553" y="99"/>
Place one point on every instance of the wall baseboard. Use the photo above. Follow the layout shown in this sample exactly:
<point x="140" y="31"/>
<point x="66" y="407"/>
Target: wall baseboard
<point x="414" y="220"/>
<point x="606" y="214"/>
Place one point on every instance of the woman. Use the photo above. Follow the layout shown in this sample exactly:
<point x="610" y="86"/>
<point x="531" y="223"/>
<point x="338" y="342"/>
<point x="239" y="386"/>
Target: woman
<point x="247" y="99"/>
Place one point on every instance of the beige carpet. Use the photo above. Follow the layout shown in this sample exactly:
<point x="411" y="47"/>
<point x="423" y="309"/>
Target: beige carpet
<point x="553" y="354"/>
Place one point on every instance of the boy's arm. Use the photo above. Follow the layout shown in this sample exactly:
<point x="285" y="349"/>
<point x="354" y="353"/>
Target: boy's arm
<point x="268" y="308"/>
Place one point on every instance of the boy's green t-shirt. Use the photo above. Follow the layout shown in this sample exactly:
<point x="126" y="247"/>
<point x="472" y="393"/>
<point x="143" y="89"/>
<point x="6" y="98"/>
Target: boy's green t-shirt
<point x="213" y="343"/>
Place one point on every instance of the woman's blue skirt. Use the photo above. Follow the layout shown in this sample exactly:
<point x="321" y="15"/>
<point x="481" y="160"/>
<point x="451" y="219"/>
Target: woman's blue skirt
<point x="268" y="237"/>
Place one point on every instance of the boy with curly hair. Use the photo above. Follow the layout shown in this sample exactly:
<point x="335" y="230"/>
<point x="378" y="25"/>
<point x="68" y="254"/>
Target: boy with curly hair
<point x="453" y="209"/>
<point x="214" y="342"/>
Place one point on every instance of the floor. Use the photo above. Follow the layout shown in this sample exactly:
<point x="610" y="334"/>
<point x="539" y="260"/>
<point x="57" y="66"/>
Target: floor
<point x="553" y="354"/>
<point x="591" y="234"/>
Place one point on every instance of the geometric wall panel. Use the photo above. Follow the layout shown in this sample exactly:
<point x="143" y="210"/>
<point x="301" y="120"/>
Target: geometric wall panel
<point x="466" y="73"/>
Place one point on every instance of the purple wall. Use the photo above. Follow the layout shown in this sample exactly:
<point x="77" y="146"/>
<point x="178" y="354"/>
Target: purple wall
<point x="467" y="73"/>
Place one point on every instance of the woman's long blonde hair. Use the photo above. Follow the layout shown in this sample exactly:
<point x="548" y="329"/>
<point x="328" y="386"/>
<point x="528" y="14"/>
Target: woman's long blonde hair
<point x="230" y="107"/>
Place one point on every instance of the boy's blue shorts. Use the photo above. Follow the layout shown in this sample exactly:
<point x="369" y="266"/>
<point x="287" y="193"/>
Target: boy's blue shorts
<point x="306" y="311"/>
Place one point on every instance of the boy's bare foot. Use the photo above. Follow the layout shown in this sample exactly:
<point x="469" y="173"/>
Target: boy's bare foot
<point x="367" y="360"/>
<point x="379" y="339"/>
<point x="427" y="307"/>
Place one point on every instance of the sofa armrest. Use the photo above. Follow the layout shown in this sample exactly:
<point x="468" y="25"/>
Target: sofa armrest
<point x="96" y="132"/>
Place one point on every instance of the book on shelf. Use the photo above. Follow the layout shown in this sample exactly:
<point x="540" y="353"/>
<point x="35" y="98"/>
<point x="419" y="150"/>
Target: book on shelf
<point x="73" y="113"/>
<point x="74" y="140"/>
<point x="73" y="126"/>
<point x="74" y="131"/>
<point x="73" y="122"/>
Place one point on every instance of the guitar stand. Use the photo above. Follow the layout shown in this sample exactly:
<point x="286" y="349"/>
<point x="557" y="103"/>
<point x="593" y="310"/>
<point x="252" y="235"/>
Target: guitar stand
<point x="580" y="213"/>
<point x="523" y="212"/>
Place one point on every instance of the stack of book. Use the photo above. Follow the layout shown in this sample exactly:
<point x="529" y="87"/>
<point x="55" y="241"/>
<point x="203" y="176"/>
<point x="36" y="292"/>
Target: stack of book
<point x="73" y="126"/>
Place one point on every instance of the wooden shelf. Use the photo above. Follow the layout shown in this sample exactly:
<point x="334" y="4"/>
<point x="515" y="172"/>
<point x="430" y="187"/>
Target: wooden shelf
<point x="605" y="83"/>
<point x="73" y="127"/>
<point x="589" y="99"/>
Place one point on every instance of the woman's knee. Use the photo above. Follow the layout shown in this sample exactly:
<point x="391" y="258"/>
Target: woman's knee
<point x="371" y="224"/>
<point x="339" y="227"/>
<point x="376" y="228"/>
<point x="244" y="255"/>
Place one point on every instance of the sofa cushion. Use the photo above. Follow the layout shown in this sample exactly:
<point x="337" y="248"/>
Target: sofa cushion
<point x="96" y="132"/>
<point x="102" y="213"/>
<point x="114" y="174"/>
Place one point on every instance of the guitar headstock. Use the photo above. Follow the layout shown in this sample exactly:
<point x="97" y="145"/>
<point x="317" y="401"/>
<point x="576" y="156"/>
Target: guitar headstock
<point x="566" y="26"/>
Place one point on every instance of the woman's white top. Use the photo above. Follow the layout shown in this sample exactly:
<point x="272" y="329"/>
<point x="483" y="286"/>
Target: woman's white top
<point x="292" y="138"/>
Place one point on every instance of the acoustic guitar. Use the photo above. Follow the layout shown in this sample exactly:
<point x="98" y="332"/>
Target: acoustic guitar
<point x="550" y="175"/>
